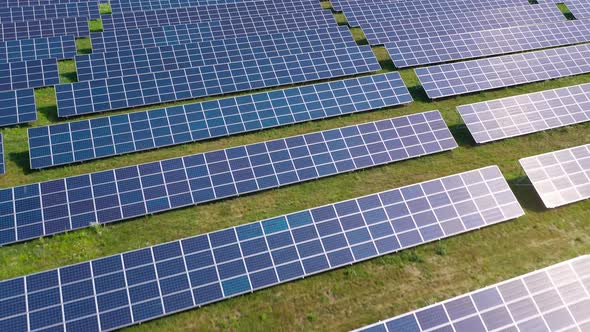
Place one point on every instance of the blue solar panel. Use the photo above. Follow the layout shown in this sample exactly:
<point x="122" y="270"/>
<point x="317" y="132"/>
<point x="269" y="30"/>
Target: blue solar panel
<point x="340" y="5"/>
<point x="152" y="88"/>
<point x="141" y="5"/>
<point x="144" y="284"/>
<point x="63" y="47"/>
<point x="28" y="3"/>
<point x="173" y="16"/>
<point x="68" y="26"/>
<point x="422" y="51"/>
<point x="191" y="33"/>
<point x="28" y="74"/>
<point x="458" y="22"/>
<point x="2" y="158"/>
<point x="102" y="137"/>
<point x="166" y="58"/>
<point x="508" y="70"/>
<point x="17" y="107"/>
<point x="48" y="11"/>
<point x="56" y="206"/>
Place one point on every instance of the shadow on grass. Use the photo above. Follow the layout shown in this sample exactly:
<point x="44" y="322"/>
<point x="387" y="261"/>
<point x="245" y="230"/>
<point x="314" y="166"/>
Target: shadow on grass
<point x="21" y="159"/>
<point x="418" y="93"/>
<point x="526" y="194"/>
<point x="69" y="77"/>
<point x="50" y="112"/>
<point x="462" y="135"/>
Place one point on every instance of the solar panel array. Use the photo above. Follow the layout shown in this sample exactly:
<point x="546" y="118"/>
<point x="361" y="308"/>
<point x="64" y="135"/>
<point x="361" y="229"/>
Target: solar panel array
<point x="407" y="53"/>
<point x="21" y="3"/>
<point x="491" y="73"/>
<point x="148" y="283"/>
<point x="196" y="32"/>
<point x="62" y="47"/>
<point x="578" y="8"/>
<point x="28" y="74"/>
<point x="67" y="26"/>
<point x="183" y="15"/>
<point x="152" y="88"/>
<point x="49" y="11"/>
<point x="2" y="157"/>
<point x="56" y="206"/>
<point x="560" y="177"/>
<point x="554" y="298"/>
<point x="520" y="115"/>
<point x="458" y="22"/>
<point x="166" y="58"/>
<point x="101" y="137"/>
<point x="17" y="107"/>
<point x="143" y="5"/>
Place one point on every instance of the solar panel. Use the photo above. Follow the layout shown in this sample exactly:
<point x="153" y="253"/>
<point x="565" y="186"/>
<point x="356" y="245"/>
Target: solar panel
<point x="520" y="115"/>
<point x="48" y="11"/>
<point x="554" y="298"/>
<point x="68" y="26"/>
<point x="102" y="137"/>
<point x="151" y="282"/>
<point x="190" y="33"/>
<point x="508" y="70"/>
<point x="423" y="51"/>
<point x="578" y="8"/>
<point x="142" y="5"/>
<point x="28" y="74"/>
<point x="152" y="88"/>
<point x="560" y="177"/>
<point x="458" y="22"/>
<point x="154" y="59"/>
<point x="2" y="162"/>
<point x="63" y="47"/>
<point x="17" y="107"/>
<point x="231" y="11"/>
<point x="27" y="3"/>
<point x="56" y="206"/>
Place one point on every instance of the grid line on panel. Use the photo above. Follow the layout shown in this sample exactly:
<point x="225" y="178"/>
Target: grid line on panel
<point x="442" y="24"/>
<point x="155" y="281"/>
<point x="153" y="88"/>
<point x="408" y="53"/>
<point x="43" y="209"/>
<point x="508" y="70"/>
<point x="68" y="26"/>
<point x="61" y="47"/>
<point x="560" y="177"/>
<point x="202" y="31"/>
<point x="2" y="156"/>
<point x="28" y="74"/>
<point x="30" y="3"/>
<point x="554" y="298"/>
<point x="211" y="52"/>
<point x="524" y="114"/>
<point x="17" y="106"/>
<point x="42" y="12"/>
<point x="222" y="12"/>
<point x="143" y="5"/>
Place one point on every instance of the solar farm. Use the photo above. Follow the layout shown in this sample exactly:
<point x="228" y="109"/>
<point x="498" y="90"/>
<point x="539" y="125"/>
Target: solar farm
<point x="295" y="165"/>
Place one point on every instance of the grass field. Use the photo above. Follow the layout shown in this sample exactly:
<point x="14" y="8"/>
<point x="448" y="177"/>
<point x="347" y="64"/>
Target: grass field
<point x="349" y="297"/>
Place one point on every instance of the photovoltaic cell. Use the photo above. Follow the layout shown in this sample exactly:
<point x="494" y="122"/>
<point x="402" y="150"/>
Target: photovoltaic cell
<point x="2" y="159"/>
<point x="520" y="115"/>
<point x="211" y="52"/>
<point x="458" y="22"/>
<point x="423" y="51"/>
<point x="49" y="11"/>
<point x="28" y="3"/>
<point x="68" y="26"/>
<point x="196" y="32"/>
<point x="63" y="47"/>
<point x="102" y="137"/>
<point x="28" y="74"/>
<point x="17" y="107"/>
<point x="56" y="206"/>
<point x="153" y="88"/>
<point x="554" y="298"/>
<point x="508" y="70"/>
<point x="560" y="177"/>
<point x="340" y="5"/>
<point x="222" y="12"/>
<point x="142" y="5"/>
<point x="144" y="284"/>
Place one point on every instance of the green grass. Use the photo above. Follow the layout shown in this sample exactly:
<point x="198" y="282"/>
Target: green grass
<point x="349" y="297"/>
<point x="105" y="8"/>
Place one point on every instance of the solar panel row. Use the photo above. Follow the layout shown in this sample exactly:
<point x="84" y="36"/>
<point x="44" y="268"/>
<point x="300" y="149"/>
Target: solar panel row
<point x="492" y="73"/>
<point x="520" y="115"/>
<point x="423" y="51"/>
<point x="554" y="298"/>
<point x="28" y="74"/>
<point x="211" y="52"/>
<point x="2" y="158"/>
<point x="48" y="11"/>
<point x="143" y="5"/>
<point x="68" y="26"/>
<point x="120" y="290"/>
<point x="578" y="8"/>
<point x="190" y="33"/>
<point x="458" y="22"/>
<point x="56" y="206"/>
<point x="560" y="177"/>
<point x="21" y="3"/>
<point x="230" y="11"/>
<point x="17" y="107"/>
<point x="152" y="88"/>
<point x="62" y="47"/>
<point x="101" y="137"/>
